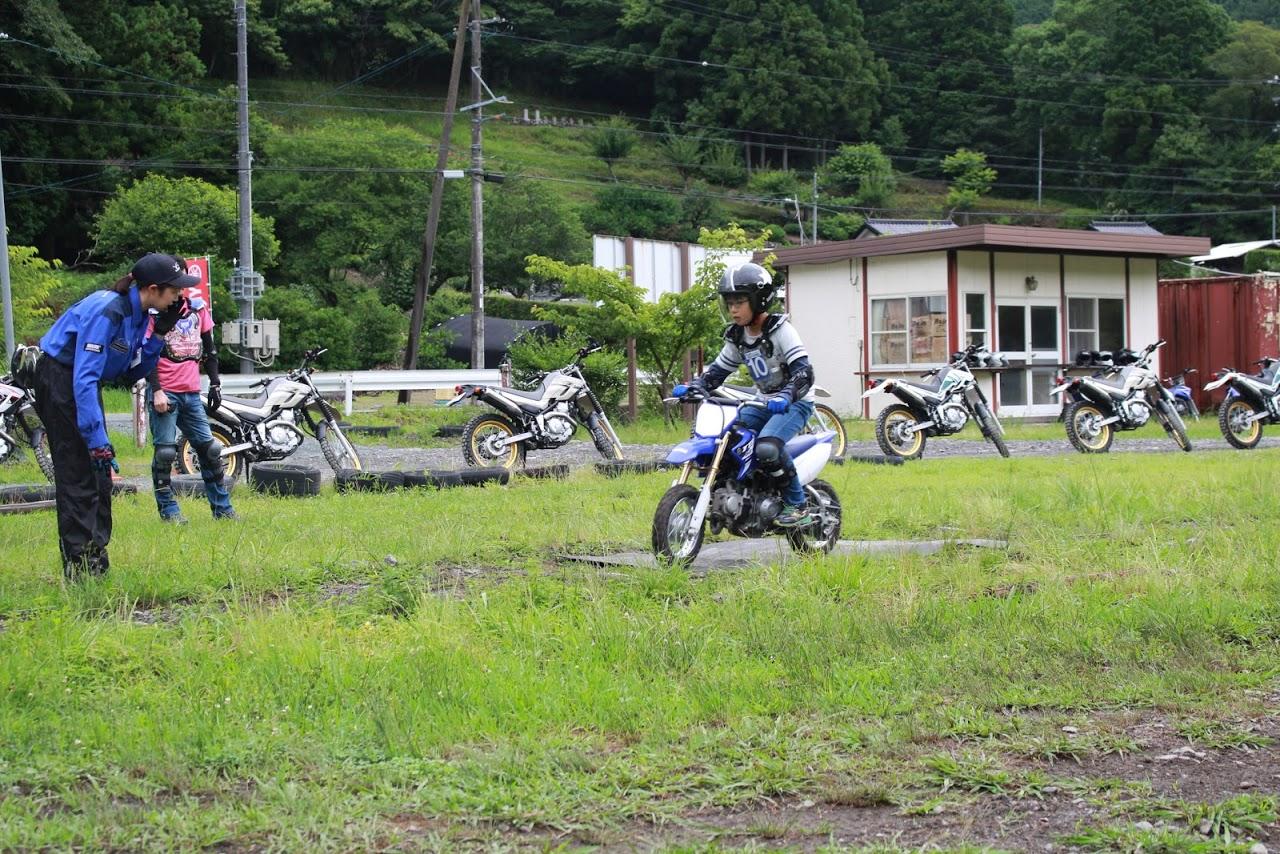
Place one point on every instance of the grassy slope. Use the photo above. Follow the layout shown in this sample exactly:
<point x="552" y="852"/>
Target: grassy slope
<point x="278" y="682"/>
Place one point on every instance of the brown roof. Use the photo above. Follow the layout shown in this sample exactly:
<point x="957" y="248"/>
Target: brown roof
<point x="1021" y="237"/>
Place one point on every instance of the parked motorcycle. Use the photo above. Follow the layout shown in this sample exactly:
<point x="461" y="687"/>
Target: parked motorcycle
<point x="735" y="495"/>
<point x="937" y="408"/>
<point x="1119" y="398"/>
<point x="1252" y="401"/>
<point x="544" y="418"/>
<point x="1183" y="401"/>
<point x="824" y="417"/>
<point x="19" y="424"/>
<point x="267" y="427"/>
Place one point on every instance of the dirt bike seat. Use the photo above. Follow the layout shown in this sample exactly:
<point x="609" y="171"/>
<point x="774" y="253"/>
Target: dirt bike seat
<point x="536" y="394"/>
<point x="800" y="444"/>
<point x="247" y="402"/>
<point x="932" y="386"/>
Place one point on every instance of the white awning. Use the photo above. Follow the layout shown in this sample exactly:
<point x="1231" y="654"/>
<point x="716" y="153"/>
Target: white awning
<point x="1234" y="250"/>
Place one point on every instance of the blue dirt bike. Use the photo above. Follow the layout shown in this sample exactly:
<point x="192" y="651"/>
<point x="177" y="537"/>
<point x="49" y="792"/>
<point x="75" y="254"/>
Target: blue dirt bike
<point x="1183" y="402"/>
<point x="736" y="495"/>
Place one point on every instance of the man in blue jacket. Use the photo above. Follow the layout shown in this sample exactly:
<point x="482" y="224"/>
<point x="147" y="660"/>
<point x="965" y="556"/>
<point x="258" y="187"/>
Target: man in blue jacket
<point x="104" y="337"/>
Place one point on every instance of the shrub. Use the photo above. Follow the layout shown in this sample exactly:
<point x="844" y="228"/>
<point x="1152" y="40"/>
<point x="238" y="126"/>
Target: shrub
<point x="634" y="212"/>
<point x="722" y="164"/>
<point x="534" y="355"/>
<point x="612" y="141"/>
<point x="862" y="171"/>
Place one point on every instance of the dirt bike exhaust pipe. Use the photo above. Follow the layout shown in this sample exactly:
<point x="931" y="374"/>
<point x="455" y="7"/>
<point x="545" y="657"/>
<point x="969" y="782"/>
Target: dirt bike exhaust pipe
<point x="243" y="446"/>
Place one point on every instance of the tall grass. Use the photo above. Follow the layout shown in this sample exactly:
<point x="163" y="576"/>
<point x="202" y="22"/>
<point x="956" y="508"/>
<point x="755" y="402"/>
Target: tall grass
<point x="303" y="677"/>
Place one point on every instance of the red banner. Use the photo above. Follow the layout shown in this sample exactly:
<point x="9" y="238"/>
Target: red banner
<point x="199" y="267"/>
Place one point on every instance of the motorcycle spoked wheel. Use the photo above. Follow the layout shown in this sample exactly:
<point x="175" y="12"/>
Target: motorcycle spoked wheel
<point x="889" y="424"/>
<point x="824" y="533"/>
<point x="338" y="451"/>
<point x="1236" y="428"/>
<point x="672" y="542"/>
<point x="825" y="418"/>
<point x="189" y="462"/>
<point x="1085" y="432"/>
<point x="38" y="439"/>
<point x="1173" y="424"/>
<point x="604" y="437"/>
<point x="991" y="428"/>
<point x="478" y="436"/>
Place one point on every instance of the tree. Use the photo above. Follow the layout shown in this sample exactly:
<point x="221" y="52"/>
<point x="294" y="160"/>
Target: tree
<point x="612" y="141"/>
<point x="1250" y="58"/>
<point x="633" y="212"/>
<point x="522" y="217"/>
<point x="863" y="172"/>
<point x="306" y="322"/>
<point x="179" y="215"/>
<point x="31" y="281"/>
<point x="971" y="178"/>
<point x="947" y="87"/>
<point x="682" y="153"/>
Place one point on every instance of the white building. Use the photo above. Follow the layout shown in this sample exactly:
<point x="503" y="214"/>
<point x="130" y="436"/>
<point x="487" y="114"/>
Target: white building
<point x="897" y="305"/>
<point x="658" y="266"/>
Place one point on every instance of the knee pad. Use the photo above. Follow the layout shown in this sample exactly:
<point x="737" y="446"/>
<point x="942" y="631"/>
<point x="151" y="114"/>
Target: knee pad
<point x="162" y="465"/>
<point x="771" y="454"/>
<point x="211" y="459"/>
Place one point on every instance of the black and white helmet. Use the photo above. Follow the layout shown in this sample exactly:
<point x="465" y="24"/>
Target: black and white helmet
<point x="752" y="280"/>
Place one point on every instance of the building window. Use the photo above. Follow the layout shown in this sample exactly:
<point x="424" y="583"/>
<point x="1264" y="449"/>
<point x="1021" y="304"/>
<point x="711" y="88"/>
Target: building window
<point x="1094" y="324"/>
<point x="975" y="319"/>
<point x="909" y="330"/>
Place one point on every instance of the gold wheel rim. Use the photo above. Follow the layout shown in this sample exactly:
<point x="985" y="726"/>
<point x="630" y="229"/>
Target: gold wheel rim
<point x="916" y="438"/>
<point x="1104" y="432"/>
<point x="508" y="458"/>
<point x="1254" y="427"/>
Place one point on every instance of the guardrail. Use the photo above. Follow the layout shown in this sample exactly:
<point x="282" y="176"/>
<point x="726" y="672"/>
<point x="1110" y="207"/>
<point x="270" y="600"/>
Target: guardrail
<point x="350" y="382"/>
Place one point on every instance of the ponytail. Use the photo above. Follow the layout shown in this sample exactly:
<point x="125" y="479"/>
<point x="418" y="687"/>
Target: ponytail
<point x="122" y="284"/>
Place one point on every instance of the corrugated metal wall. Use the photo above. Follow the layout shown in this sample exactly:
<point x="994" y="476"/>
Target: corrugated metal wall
<point x="1219" y="322"/>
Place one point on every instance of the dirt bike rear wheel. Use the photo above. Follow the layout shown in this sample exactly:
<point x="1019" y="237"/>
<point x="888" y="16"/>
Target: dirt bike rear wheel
<point x="189" y="461"/>
<point x="824" y="504"/>
<point x="889" y="436"/>
<point x="1237" y="429"/>
<point x="990" y="428"/>
<point x="1083" y="430"/>
<point x="825" y="418"/>
<point x="672" y="542"/>
<point x="477" y="442"/>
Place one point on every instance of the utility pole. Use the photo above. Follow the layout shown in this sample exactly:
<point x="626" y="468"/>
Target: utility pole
<point x="6" y="295"/>
<point x="815" y="205"/>
<point x="477" y="196"/>
<point x="1040" y="171"/>
<point x="253" y="339"/>
<point x="437" y="196"/>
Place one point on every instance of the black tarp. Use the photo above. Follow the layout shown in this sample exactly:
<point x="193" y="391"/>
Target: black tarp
<point x="499" y="333"/>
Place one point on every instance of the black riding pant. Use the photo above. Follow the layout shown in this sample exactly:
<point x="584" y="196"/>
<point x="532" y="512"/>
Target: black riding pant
<point x="82" y="490"/>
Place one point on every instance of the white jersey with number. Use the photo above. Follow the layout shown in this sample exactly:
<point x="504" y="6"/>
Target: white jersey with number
<point x="766" y="357"/>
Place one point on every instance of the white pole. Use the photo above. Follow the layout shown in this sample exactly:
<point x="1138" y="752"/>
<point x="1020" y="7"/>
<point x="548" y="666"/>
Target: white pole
<point x="5" y="293"/>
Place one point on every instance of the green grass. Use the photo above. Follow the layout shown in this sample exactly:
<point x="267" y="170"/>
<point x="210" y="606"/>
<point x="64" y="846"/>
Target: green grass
<point x="280" y="683"/>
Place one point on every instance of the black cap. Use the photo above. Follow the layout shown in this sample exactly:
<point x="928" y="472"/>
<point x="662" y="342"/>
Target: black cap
<point x="157" y="269"/>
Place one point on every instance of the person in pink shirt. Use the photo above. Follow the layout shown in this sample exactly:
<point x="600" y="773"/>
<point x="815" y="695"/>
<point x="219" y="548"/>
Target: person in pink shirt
<point x="173" y="391"/>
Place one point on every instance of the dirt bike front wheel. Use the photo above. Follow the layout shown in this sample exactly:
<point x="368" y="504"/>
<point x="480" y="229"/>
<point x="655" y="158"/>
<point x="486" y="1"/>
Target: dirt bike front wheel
<point x="672" y="541"/>
<point x="189" y="460"/>
<point x="1173" y="424"/>
<point x="38" y="439"/>
<point x="604" y="437"/>
<point x="337" y="448"/>
<point x="991" y="428"/>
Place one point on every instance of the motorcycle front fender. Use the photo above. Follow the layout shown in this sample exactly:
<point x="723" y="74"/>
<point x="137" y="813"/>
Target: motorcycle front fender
<point x="691" y="450"/>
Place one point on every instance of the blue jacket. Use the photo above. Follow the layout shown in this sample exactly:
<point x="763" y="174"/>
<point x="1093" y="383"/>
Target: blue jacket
<point x="102" y="338"/>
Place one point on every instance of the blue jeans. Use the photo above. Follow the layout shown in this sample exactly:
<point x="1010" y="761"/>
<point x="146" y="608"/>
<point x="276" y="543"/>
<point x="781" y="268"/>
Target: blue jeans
<point x="783" y="426"/>
<point x="186" y="413"/>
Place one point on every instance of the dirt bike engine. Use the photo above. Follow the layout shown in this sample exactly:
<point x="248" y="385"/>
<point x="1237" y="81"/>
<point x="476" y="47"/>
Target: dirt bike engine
<point x="281" y="436"/>
<point x="952" y="416"/>
<point x="1136" y="412"/>
<point x="557" y="427"/>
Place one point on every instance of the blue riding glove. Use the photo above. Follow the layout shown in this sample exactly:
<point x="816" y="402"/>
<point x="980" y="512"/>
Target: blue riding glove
<point x="680" y="390"/>
<point x="778" y="405"/>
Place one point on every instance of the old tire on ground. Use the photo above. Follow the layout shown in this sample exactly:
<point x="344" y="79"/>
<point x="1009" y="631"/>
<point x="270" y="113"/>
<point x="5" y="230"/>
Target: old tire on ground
<point x="447" y="478"/>
<point x="285" y="480"/>
<point x="25" y="493"/>
<point x="1083" y="430"/>
<point x="874" y="459"/>
<point x="120" y="487"/>
<point x="824" y="533"/>
<point x="1237" y="429"/>
<point x="192" y="484"/>
<point x="477" y="439"/>
<point x="558" y="471"/>
<point x="357" y="480"/>
<point x="889" y="425"/>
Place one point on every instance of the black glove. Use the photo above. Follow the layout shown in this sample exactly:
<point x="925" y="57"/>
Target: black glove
<point x="103" y="456"/>
<point x="167" y="319"/>
<point x="214" y="399"/>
